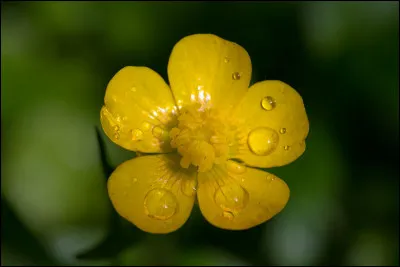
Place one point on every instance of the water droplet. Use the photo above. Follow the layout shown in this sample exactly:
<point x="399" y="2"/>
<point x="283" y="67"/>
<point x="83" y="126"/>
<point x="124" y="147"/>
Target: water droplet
<point x="270" y="177"/>
<point x="228" y="215"/>
<point x="158" y="132"/>
<point x="134" y="180"/>
<point x="263" y="141"/>
<point x="137" y="135"/>
<point x="189" y="187"/>
<point x="268" y="103"/>
<point x="116" y="136"/>
<point x="133" y="89"/>
<point x="146" y="126"/>
<point x="231" y="197"/>
<point x="236" y="76"/>
<point x="282" y="130"/>
<point x="235" y="167"/>
<point x="160" y="204"/>
<point x="226" y="59"/>
<point x="286" y="147"/>
<point x="108" y="120"/>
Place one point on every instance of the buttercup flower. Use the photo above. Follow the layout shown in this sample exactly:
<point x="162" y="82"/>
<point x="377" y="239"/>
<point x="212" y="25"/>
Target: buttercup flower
<point x="203" y="136"/>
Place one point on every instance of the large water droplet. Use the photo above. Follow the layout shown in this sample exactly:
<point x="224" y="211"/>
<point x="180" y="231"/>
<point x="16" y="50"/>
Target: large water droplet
<point x="189" y="187"/>
<point x="231" y="197"/>
<point x="282" y="130"/>
<point x="263" y="141"/>
<point x="137" y="135"/>
<point x="158" y="132"/>
<point x="268" y="103"/>
<point x="235" y="167"/>
<point x="236" y="76"/>
<point x="160" y="204"/>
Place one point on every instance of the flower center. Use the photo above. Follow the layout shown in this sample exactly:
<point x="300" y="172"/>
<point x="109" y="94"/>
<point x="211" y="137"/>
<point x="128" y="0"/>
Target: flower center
<point x="200" y="138"/>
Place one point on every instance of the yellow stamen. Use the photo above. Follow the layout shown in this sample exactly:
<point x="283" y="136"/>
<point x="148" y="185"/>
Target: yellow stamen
<point x="201" y="138"/>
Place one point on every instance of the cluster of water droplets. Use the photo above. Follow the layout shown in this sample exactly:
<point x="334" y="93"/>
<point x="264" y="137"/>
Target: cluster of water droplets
<point x="231" y="197"/>
<point x="263" y="141"/>
<point x="122" y="131"/>
<point x="256" y="136"/>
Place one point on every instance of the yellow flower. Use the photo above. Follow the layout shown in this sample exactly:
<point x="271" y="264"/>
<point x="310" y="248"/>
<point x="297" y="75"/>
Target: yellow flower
<point x="204" y="133"/>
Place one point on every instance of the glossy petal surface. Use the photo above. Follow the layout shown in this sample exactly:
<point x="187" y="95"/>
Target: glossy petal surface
<point x="206" y="69"/>
<point x="153" y="192"/>
<point x="232" y="196"/>
<point x="272" y="125"/>
<point x="139" y="110"/>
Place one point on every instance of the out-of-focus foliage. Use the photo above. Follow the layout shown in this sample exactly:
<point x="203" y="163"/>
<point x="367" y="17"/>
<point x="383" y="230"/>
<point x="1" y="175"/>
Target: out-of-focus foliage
<point x="57" y="58"/>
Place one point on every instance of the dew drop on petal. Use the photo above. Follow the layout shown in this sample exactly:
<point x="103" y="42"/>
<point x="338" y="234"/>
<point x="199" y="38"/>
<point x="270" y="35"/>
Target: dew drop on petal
<point x="160" y="204"/>
<point x="137" y="135"/>
<point x="189" y="187"/>
<point x="236" y="76"/>
<point x="270" y="178"/>
<point x="116" y="136"/>
<point x="231" y="197"/>
<point x="235" y="167"/>
<point x="226" y="59"/>
<point x="286" y="147"/>
<point x="116" y="128"/>
<point x="262" y="141"/>
<point x="268" y="103"/>
<point x="282" y="130"/>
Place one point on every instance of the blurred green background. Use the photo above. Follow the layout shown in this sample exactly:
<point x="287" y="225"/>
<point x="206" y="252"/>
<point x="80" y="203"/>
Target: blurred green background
<point x="56" y="60"/>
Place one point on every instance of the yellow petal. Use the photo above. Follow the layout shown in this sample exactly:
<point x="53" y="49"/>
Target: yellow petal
<point x="153" y="192"/>
<point x="139" y="110"/>
<point x="232" y="196"/>
<point x="206" y="69"/>
<point x="272" y="125"/>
